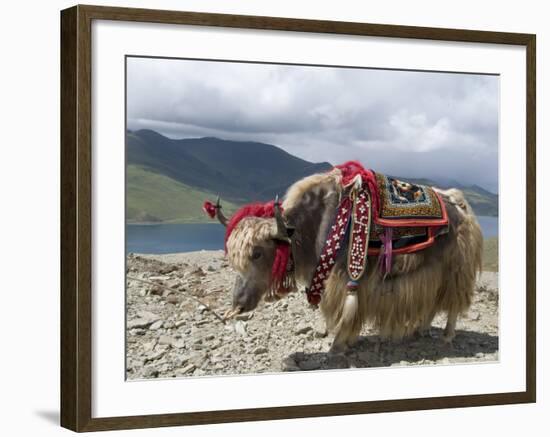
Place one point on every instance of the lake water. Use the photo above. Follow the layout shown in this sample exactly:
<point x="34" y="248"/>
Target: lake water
<point x="489" y="226"/>
<point x="174" y="238"/>
<point x="192" y="237"/>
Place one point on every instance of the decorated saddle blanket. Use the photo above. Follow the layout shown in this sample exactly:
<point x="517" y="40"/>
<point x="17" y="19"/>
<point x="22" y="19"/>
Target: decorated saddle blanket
<point x="416" y="213"/>
<point x="378" y="215"/>
<point x="406" y="204"/>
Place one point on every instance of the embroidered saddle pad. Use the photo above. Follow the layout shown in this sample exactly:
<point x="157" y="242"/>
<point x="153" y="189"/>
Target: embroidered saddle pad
<point x="406" y="204"/>
<point x="415" y="213"/>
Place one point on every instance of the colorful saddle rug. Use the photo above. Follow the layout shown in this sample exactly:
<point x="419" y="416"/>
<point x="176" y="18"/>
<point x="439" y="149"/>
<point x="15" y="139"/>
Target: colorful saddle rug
<point x="415" y="214"/>
<point x="405" y="204"/>
<point x="379" y="215"/>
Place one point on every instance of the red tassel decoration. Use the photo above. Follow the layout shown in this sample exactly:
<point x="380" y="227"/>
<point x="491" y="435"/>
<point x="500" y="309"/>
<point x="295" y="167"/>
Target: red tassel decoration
<point x="263" y="210"/>
<point x="209" y="208"/>
<point x="282" y="253"/>
<point x="282" y="277"/>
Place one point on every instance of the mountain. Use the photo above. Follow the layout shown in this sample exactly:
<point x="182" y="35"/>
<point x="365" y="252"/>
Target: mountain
<point x="168" y="180"/>
<point x="482" y="201"/>
<point x="238" y="171"/>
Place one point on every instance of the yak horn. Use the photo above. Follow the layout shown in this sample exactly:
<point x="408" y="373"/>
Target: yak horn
<point x="283" y="231"/>
<point x="219" y="214"/>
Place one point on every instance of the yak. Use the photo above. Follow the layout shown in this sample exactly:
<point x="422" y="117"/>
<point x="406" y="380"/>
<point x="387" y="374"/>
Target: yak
<point x="402" y="302"/>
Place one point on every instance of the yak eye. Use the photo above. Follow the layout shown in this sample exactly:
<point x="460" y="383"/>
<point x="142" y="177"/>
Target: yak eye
<point x="256" y="254"/>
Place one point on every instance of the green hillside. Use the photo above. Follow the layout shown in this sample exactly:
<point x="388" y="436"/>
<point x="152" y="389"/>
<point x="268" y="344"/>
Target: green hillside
<point x="153" y="197"/>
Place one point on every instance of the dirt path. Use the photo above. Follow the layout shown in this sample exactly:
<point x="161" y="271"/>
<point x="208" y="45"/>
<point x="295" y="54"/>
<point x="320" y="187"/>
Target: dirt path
<point x="170" y="334"/>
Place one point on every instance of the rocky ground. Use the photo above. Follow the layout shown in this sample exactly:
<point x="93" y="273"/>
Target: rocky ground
<point x="175" y="331"/>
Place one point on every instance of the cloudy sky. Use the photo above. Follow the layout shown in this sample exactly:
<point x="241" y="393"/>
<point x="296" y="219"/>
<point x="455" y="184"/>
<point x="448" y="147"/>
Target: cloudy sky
<point x="412" y="124"/>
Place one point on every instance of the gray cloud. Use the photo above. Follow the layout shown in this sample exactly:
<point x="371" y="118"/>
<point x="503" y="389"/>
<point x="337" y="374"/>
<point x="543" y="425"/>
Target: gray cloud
<point x="416" y="124"/>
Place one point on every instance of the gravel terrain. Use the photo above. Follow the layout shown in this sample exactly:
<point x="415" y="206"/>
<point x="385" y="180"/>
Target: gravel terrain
<point x="173" y="331"/>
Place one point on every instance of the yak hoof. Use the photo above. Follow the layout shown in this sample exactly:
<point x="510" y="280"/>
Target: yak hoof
<point x="448" y="338"/>
<point x="425" y="333"/>
<point x="338" y="349"/>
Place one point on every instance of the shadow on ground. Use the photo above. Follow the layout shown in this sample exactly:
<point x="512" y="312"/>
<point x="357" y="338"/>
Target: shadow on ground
<point x="370" y="351"/>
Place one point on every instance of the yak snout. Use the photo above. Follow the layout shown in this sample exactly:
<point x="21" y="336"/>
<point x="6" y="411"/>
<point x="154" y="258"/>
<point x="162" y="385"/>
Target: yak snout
<point x="246" y="294"/>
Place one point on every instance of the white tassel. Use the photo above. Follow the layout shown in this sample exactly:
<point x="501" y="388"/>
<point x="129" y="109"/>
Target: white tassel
<point x="350" y="309"/>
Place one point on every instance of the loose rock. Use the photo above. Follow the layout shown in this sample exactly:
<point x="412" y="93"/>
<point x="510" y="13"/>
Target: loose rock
<point x="155" y="355"/>
<point x="289" y="365"/>
<point x="139" y="323"/>
<point x="156" y="325"/>
<point x="172" y="298"/>
<point x="302" y="329"/>
<point x="188" y="369"/>
<point x="320" y="330"/>
<point x="311" y="364"/>
<point x="240" y="327"/>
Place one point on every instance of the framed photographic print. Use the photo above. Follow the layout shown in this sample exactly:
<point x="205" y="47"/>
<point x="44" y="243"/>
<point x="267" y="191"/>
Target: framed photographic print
<point x="260" y="213"/>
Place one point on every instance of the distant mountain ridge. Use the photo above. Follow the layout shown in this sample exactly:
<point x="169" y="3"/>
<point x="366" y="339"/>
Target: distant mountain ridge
<point x="168" y="179"/>
<point x="238" y="171"/>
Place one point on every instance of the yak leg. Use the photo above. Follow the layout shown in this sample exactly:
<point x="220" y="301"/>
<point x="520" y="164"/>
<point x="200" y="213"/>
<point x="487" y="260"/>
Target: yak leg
<point x="347" y="332"/>
<point x="449" y="333"/>
<point x="342" y="314"/>
<point x="425" y="330"/>
<point x="339" y="345"/>
<point x="342" y="342"/>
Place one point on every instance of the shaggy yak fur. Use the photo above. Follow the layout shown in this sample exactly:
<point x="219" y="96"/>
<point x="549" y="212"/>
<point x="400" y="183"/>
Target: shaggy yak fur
<point x="440" y="278"/>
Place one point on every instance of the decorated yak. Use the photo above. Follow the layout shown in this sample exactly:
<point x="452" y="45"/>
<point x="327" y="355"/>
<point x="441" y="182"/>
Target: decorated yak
<point x="368" y="248"/>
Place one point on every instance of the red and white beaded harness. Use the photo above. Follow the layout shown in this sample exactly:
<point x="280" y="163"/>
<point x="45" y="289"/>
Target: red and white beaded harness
<point x="353" y="218"/>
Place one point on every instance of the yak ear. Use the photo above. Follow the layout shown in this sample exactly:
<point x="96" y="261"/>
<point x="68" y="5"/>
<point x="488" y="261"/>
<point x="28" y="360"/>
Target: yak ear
<point x="290" y="231"/>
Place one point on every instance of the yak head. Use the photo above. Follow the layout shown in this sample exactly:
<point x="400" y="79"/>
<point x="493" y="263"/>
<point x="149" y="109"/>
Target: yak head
<point x="258" y="247"/>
